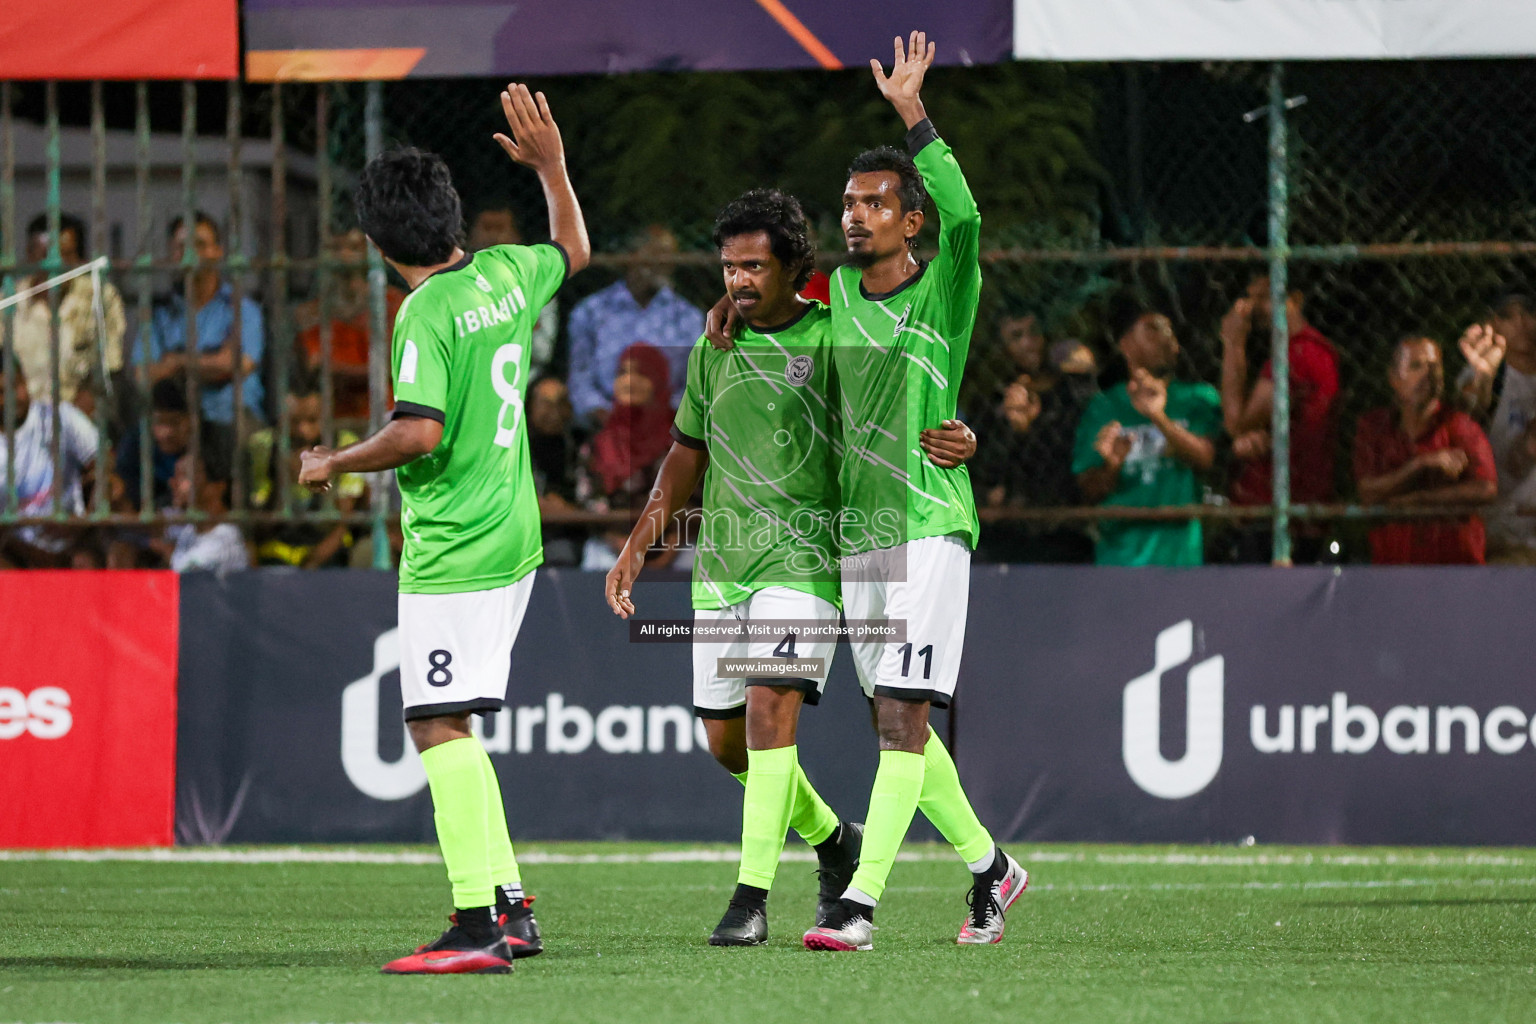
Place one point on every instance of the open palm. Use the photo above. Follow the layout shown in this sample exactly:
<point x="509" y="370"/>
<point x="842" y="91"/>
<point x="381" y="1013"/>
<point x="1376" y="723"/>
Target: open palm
<point x="911" y="63"/>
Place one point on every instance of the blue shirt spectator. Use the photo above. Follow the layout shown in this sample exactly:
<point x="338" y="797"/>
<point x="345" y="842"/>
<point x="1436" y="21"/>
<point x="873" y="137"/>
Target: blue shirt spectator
<point x="642" y="307"/>
<point x="215" y="324"/>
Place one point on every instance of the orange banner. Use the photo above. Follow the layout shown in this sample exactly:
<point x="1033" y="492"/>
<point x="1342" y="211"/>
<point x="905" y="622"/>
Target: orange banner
<point x="88" y="39"/>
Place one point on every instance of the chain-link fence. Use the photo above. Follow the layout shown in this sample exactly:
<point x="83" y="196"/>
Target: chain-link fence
<point x="1106" y="190"/>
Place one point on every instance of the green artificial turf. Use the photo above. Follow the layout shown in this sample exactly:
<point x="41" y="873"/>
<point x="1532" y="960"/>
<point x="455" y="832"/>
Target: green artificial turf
<point x="1105" y="934"/>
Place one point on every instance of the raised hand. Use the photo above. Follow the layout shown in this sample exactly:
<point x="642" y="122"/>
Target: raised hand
<point x="1484" y="350"/>
<point x="905" y="82"/>
<point x="1148" y="394"/>
<point x="1237" y="323"/>
<point x="1113" y="444"/>
<point x="535" y="140"/>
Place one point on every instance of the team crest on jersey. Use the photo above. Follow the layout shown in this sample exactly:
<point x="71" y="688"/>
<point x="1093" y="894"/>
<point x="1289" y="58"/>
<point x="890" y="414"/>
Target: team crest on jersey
<point x="902" y="322"/>
<point x="482" y="283"/>
<point x="799" y="370"/>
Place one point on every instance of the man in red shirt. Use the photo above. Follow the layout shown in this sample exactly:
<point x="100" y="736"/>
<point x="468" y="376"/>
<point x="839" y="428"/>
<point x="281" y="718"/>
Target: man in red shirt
<point x="1246" y="409"/>
<point x="1424" y="452"/>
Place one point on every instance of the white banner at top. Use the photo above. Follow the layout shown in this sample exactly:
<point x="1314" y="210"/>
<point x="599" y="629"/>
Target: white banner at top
<point x="1272" y="29"/>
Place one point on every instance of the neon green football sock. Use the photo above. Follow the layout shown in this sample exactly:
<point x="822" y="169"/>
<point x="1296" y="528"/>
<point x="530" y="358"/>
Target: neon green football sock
<point x="765" y="813"/>
<point x="892" y="803"/>
<point x="504" y="870"/>
<point x="944" y="803"/>
<point x="811" y="818"/>
<point x="459" y="799"/>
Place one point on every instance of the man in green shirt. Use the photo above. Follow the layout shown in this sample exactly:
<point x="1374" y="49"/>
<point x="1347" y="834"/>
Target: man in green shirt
<point x="759" y="425"/>
<point x="1144" y="443"/>
<point x="459" y="446"/>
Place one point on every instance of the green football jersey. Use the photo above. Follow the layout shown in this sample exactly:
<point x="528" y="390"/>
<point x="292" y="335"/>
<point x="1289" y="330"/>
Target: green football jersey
<point x="899" y="361"/>
<point x="461" y="343"/>
<point x="766" y="412"/>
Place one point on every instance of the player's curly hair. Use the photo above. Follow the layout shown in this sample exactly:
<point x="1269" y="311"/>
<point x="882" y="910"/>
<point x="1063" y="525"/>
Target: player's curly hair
<point x="912" y="192"/>
<point x="407" y="204"/>
<point x="779" y="215"/>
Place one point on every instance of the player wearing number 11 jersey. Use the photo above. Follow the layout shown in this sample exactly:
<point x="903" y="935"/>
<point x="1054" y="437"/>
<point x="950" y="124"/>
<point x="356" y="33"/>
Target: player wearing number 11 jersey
<point x="470" y="517"/>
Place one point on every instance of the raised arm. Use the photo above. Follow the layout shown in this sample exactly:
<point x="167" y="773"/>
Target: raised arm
<point x="535" y="143"/>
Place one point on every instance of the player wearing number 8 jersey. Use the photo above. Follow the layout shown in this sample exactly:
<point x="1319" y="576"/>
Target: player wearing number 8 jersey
<point x="470" y="516"/>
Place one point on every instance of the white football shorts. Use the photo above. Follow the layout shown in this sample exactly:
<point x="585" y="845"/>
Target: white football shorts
<point x="456" y="649"/>
<point x="717" y="696"/>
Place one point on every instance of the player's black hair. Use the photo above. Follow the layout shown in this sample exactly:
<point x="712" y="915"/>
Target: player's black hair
<point x="67" y="222"/>
<point x="169" y="395"/>
<point x="912" y="192"/>
<point x="1125" y="315"/>
<point x="198" y="217"/>
<point x="778" y="214"/>
<point x="407" y="204"/>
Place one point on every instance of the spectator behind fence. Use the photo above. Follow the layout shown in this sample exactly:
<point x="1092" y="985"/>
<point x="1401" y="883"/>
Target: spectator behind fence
<point x="620" y="461"/>
<point x="1025" y="441"/>
<point x="300" y="541"/>
<point x="170" y="434"/>
<point x="203" y="484"/>
<point x="1246" y="411"/>
<point x="90" y="349"/>
<point x="552" y="451"/>
<point x="220" y="355"/>
<point x="351" y="327"/>
<point x="1498" y="387"/>
<point x="640" y="308"/>
<point x="495" y="223"/>
<point x="44" y="546"/>
<point x="1423" y="452"/>
<point x="1143" y="444"/>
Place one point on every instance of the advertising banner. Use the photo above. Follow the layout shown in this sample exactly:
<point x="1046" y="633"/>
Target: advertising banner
<point x="292" y="728"/>
<point x="103" y="39"/>
<point x="87" y="708"/>
<point x="353" y="39"/>
<point x="1272" y="29"/>
<point x="1297" y="706"/>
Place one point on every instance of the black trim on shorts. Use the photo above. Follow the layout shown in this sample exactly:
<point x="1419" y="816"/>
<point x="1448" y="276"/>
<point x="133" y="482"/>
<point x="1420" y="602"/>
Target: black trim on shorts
<point x="478" y="706"/>
<point x="688" y="440"/>
<point x="412" y="409"/>
<point x="806" y="686"/>
<point x="913" y="695"/>
<point x="563" y="255"/>
<point x="720" y="714"/>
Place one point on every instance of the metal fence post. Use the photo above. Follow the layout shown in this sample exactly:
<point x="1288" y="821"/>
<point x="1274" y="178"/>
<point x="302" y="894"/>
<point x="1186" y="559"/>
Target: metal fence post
<point x="378" y="354"/>
<point x="1280" y="335"/>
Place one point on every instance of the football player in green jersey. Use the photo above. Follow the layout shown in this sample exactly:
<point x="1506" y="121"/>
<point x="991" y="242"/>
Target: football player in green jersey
<point x="903" y="330"/>
<point x="759" y="426"/>
<point x="470" y="516"/>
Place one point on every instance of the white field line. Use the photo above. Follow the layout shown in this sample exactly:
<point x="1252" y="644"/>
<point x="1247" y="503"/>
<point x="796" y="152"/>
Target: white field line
<point x="702" y="855"/>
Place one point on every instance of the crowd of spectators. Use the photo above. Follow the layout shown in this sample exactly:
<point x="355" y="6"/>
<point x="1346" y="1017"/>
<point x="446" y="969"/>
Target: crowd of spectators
<point x="1058" y="426"/>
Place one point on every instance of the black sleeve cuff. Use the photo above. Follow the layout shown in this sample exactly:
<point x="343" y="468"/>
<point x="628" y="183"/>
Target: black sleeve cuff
<point x="687" y="441"/>
<point x="412" y="409"/>
<point x="564" y="256"/>
<point x="921" y="134"/>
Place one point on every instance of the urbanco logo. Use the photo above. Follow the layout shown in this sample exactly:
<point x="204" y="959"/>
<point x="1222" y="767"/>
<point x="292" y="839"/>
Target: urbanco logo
<point x="1142" y="724"/>
<point x="565" y="729"/>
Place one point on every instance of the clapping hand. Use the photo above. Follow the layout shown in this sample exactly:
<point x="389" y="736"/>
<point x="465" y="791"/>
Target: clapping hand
<point x="1148" y="394"/>
<point x="1113" y="444"/>
<point x="1483" y="349"/>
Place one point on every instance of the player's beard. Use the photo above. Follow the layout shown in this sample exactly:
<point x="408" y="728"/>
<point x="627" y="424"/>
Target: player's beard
<point x="863" y="258"/>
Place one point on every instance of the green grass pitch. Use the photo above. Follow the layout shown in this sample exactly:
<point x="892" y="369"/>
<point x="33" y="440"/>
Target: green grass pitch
<point x="1104" y="934"/>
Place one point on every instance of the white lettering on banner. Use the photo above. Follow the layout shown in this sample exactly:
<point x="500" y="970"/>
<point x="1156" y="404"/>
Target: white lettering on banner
<point x="568" y="728"/>
<point x="44" y="713"/>
<point x="378" y="778"/>
<point x="1142" y="726"/>
<point x="1271" y="29"/>
<point x="1404" y="729"/>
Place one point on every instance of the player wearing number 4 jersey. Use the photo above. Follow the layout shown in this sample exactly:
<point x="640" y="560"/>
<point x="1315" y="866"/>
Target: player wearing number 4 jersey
<point x="459" y="446"/>
<point x="902" y="331"/>
<point x="759" y="425"/>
